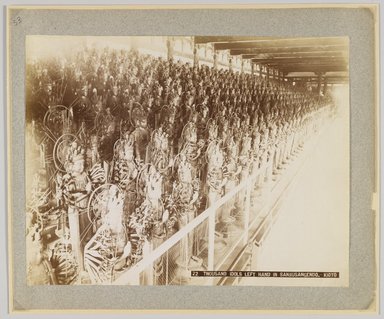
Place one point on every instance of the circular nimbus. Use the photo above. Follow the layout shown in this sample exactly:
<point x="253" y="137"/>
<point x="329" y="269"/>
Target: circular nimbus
<point x="60" y="150"/>
<point x="98" y="201"/>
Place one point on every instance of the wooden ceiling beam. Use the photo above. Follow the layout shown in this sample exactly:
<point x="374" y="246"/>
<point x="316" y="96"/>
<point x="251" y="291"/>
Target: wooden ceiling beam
<point x="216" y="39"/>
<point x="317" y="54"/>
<point x="313" y="68"/>
<point x="281" y="43"/>
<point x="291" y="60"/>
<point x="287" y="50"/>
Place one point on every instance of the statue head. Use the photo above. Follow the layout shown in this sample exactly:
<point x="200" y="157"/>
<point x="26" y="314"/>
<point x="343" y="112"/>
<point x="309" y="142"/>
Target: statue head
<point x="236" y="122"/>
<point x="190" y="132"/>
<point x="139" y="116"/>
<point x="232" y="148"/>
<point x="246" y="144"/>
<point x="75" y="159"/>
<point x="126" y="148"/>
<point x="153" y="184"/>
<point x="215" y="156"/>
<point x="212" y="130"/>
<point x="160" y="140"/>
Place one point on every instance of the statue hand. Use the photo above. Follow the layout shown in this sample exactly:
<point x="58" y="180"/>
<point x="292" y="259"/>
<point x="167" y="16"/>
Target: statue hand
<point x="88" y="187"/>
<point x="194" y="198"/>
<point x="59" y="194"/>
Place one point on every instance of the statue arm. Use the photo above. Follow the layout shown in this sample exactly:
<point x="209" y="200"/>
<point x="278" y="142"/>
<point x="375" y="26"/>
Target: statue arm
<point x="88" y="186"/>
<point x="195" y="195"/>
<point x="59" y="189"/>
<point x="223" y="182"/>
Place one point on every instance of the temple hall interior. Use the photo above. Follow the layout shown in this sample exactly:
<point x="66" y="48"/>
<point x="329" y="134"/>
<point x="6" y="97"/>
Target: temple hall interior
<point x="165" y="160"/>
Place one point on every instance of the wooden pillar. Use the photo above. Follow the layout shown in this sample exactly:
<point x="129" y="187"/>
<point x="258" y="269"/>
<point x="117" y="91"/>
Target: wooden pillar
<point x="247" y="212"/>
<point x="170" y="48"/>
<point x="325" y="86"/>
<point x="74" y="231"/>
<point x="260" y="70"/>
<point x="267" y="68"/>
<point x="215" y="59"/>
<point x="242" y="64"/>
<point x="230" y="63"/>
<point x="195" y="56"/>
<point x="319" y="81"/>
<point x="211" y="241"/>
<point x="252" y="68"/>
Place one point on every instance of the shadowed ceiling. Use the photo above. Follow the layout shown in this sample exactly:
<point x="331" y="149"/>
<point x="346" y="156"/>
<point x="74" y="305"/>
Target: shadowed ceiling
<point x="318" y="55"/>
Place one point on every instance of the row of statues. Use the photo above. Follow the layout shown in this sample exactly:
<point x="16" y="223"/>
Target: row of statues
<point x="132" y="148"/>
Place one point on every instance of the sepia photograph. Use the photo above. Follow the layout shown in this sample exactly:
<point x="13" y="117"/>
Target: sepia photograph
<point x="187" y="160"/>
<point x="216" y="159"/>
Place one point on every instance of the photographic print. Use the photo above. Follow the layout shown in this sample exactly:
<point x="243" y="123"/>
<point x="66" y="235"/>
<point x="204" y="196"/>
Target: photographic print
<point x="194" y="159"/>
<point x="187" y="160"/>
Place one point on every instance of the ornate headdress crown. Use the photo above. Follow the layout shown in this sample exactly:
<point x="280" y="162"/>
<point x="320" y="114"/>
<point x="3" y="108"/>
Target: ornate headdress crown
<point x="184" y="165"/>
<point x="75" y="153"/>
<point x="189" y="130"/>
<point x="153" y="177"/>
<point x="232" y="147"/>
<point x="160" y="139"/>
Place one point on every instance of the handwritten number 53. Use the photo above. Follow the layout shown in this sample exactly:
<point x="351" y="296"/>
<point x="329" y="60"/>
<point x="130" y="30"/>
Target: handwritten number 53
<point x="16" y="20"/>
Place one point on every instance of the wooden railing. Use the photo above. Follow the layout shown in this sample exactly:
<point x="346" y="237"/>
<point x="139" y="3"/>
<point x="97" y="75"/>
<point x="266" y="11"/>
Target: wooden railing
<point x="132" y="275"/>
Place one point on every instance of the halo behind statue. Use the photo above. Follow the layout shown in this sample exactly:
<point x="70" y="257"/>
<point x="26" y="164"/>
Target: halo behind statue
<point x="211" y="147"/>
<point x="137" y="113"/>
<point x="55" y="116"/>
<point x="60" y="150"/>
<point x="98" y="201"/>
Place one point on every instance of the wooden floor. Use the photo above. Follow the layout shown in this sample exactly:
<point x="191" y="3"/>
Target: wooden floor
<point x="311" y="231"/>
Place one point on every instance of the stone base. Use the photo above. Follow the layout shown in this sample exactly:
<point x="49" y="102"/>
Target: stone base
<point x="230" y="227"/>
<point x="183" y="269"/>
